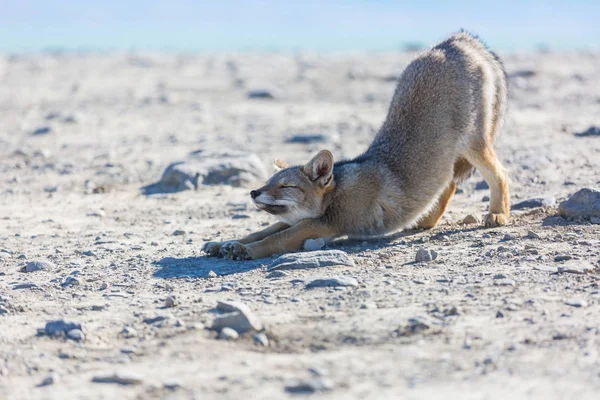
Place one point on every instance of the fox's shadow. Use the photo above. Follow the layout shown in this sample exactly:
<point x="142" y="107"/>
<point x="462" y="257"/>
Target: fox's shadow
<point x="200" y="267"/>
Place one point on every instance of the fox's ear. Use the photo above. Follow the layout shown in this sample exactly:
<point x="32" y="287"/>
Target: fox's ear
<point x="279" y="164"/>
<point x="320" y="168"/>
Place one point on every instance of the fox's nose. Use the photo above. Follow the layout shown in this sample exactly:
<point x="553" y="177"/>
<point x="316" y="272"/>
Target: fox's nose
<point x="255" y="193"/>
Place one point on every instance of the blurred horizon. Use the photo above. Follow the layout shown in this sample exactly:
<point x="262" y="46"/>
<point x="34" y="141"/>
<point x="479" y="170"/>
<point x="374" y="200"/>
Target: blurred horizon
<point x="311" y="25"/>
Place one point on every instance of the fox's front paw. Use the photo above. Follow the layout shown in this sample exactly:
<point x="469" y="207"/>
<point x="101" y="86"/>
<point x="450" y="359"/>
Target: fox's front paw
<point x="493" y="220"/>
<point x="234" y="251"/>
<point x="212" y="248"/>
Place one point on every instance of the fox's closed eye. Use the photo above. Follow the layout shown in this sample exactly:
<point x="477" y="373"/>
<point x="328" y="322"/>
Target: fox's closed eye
<point x="287" y="186"/>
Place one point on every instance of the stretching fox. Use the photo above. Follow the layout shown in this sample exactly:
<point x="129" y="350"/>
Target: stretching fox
<point x="447" y="109"/>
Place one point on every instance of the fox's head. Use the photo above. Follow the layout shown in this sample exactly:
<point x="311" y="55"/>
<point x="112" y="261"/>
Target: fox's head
<point x="297" y="193"/>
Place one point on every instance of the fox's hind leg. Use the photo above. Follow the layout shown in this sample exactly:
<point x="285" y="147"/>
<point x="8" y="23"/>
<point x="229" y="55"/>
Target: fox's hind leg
<point x="441" y="205"/>
<point x="486" y="161"/>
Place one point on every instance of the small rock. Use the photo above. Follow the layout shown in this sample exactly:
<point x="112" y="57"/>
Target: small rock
<point x="212" y="274"/>
<point x="277" y="274"/>
<point x="260" y="94"/>
<point x="172" y="385"/>
<point x="128" y="332"/>
<point x="312" y="259"/>
<point x="118" y="378"/>
<point x="332" y="281"/>
<point x="595" y="220"/>
<point x="44" y="130"/>
<point x="505" y="282"/>
<point x="499" y="314"/>
<point x="576" y="267"/>
<point x="482" y="185"/>
<point x="562" y="257"/>
<point x="49" y="380"/>
<point x="60" y="327"/>
<point x="591" y="131"/>
<point x="75" y="334"/>
<point x="262" y="339"/>
<point x="485" y="198"/>
<point x="96" y="213"/>
<point x="71" y="281"/>
<point x="508" y="237"/>
<point x="471" y="220"/>
<point x="39" y="265"/>
<point x="576" y="303"/>
<point x="307" y="138"/>
<point x="237" y="316"/>
<point x="314" y="244"/>
<point x="584" y="203"/>
<point x="424" y="255"/>
<point x="170" y="301"/>
<point x="309" y="386"/>
<point x="155" y="319"/>
<point x="228" y="334"/>
<point x="234" y="168"/>
<point x="534" y="202"/>
<point x="532" y="235"/>
<point x="178" y="232"/>
<point x="499" y="276"/>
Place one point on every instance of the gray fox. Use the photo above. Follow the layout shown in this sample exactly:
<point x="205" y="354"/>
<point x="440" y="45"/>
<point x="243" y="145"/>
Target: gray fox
<point x="446" y="111"/>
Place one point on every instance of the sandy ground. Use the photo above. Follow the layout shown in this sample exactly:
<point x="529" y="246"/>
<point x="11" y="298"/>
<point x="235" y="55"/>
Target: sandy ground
<point x="499" y="320"/>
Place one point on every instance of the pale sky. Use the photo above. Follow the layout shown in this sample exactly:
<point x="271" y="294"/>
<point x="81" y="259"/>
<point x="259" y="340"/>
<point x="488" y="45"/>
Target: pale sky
<point x="322" y="25"/>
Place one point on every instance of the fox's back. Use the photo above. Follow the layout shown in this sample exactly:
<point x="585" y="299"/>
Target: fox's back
<point x="441" y="98"/>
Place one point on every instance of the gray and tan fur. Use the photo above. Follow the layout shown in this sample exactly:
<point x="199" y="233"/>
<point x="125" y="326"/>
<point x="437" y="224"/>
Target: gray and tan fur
<point x="443" y="119"/>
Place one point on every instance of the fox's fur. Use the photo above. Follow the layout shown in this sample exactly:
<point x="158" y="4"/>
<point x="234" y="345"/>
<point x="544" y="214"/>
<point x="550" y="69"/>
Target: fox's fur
<point x="441" y="125"/>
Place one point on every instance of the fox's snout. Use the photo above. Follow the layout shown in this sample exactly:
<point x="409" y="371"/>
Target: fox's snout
<point x="255" y="193"/>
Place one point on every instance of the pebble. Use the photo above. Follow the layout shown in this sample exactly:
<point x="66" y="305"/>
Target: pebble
<point x="499" y="314"/>
<point x="233" y="168"/>
<point x="591" y="131"/>
<point x="228" y="334"/>
<point x="576" y="303"/>
<point x="128" y="332"/>
<point x="425" y="255"/>
<point x="237" y="316"/>
<point x="71" y="281"/>
<point x="534" y="202"/>
<point x="43" y="130"/>
<point x="75" y="334"/>
<point x="309" y="386"/>
<point x="212" y="274"/>
<point x="260" y="94"/>
<point x="307" y="138"/>
<point x="314" y="244"/>
<point x="277" y="274"/>
<point x="155" y="319"/>
<point x="49" y="380"/>
<point x="508" y="237"/>
<point x="60" y="327"/>
<point x="261" y="339"/>
<point x="170" y="301"/>
<point x="584" y="203"/>
<point x="178" y="232"/>
<point x="471" y="220"/>
<point x="39" y="265"/>
<point x="504" y="282"/>
<point x="312" y="259"/>
<point x="332" y="281"/>
<point x="482" y="185"/>
<point x="532" y="235"/>
<point x="97" y="213"/>
<point x="120" y="378"/>
<point x="485" y="198"/>
<point x="576" y="267"/>
<point x="562" y="257"/>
